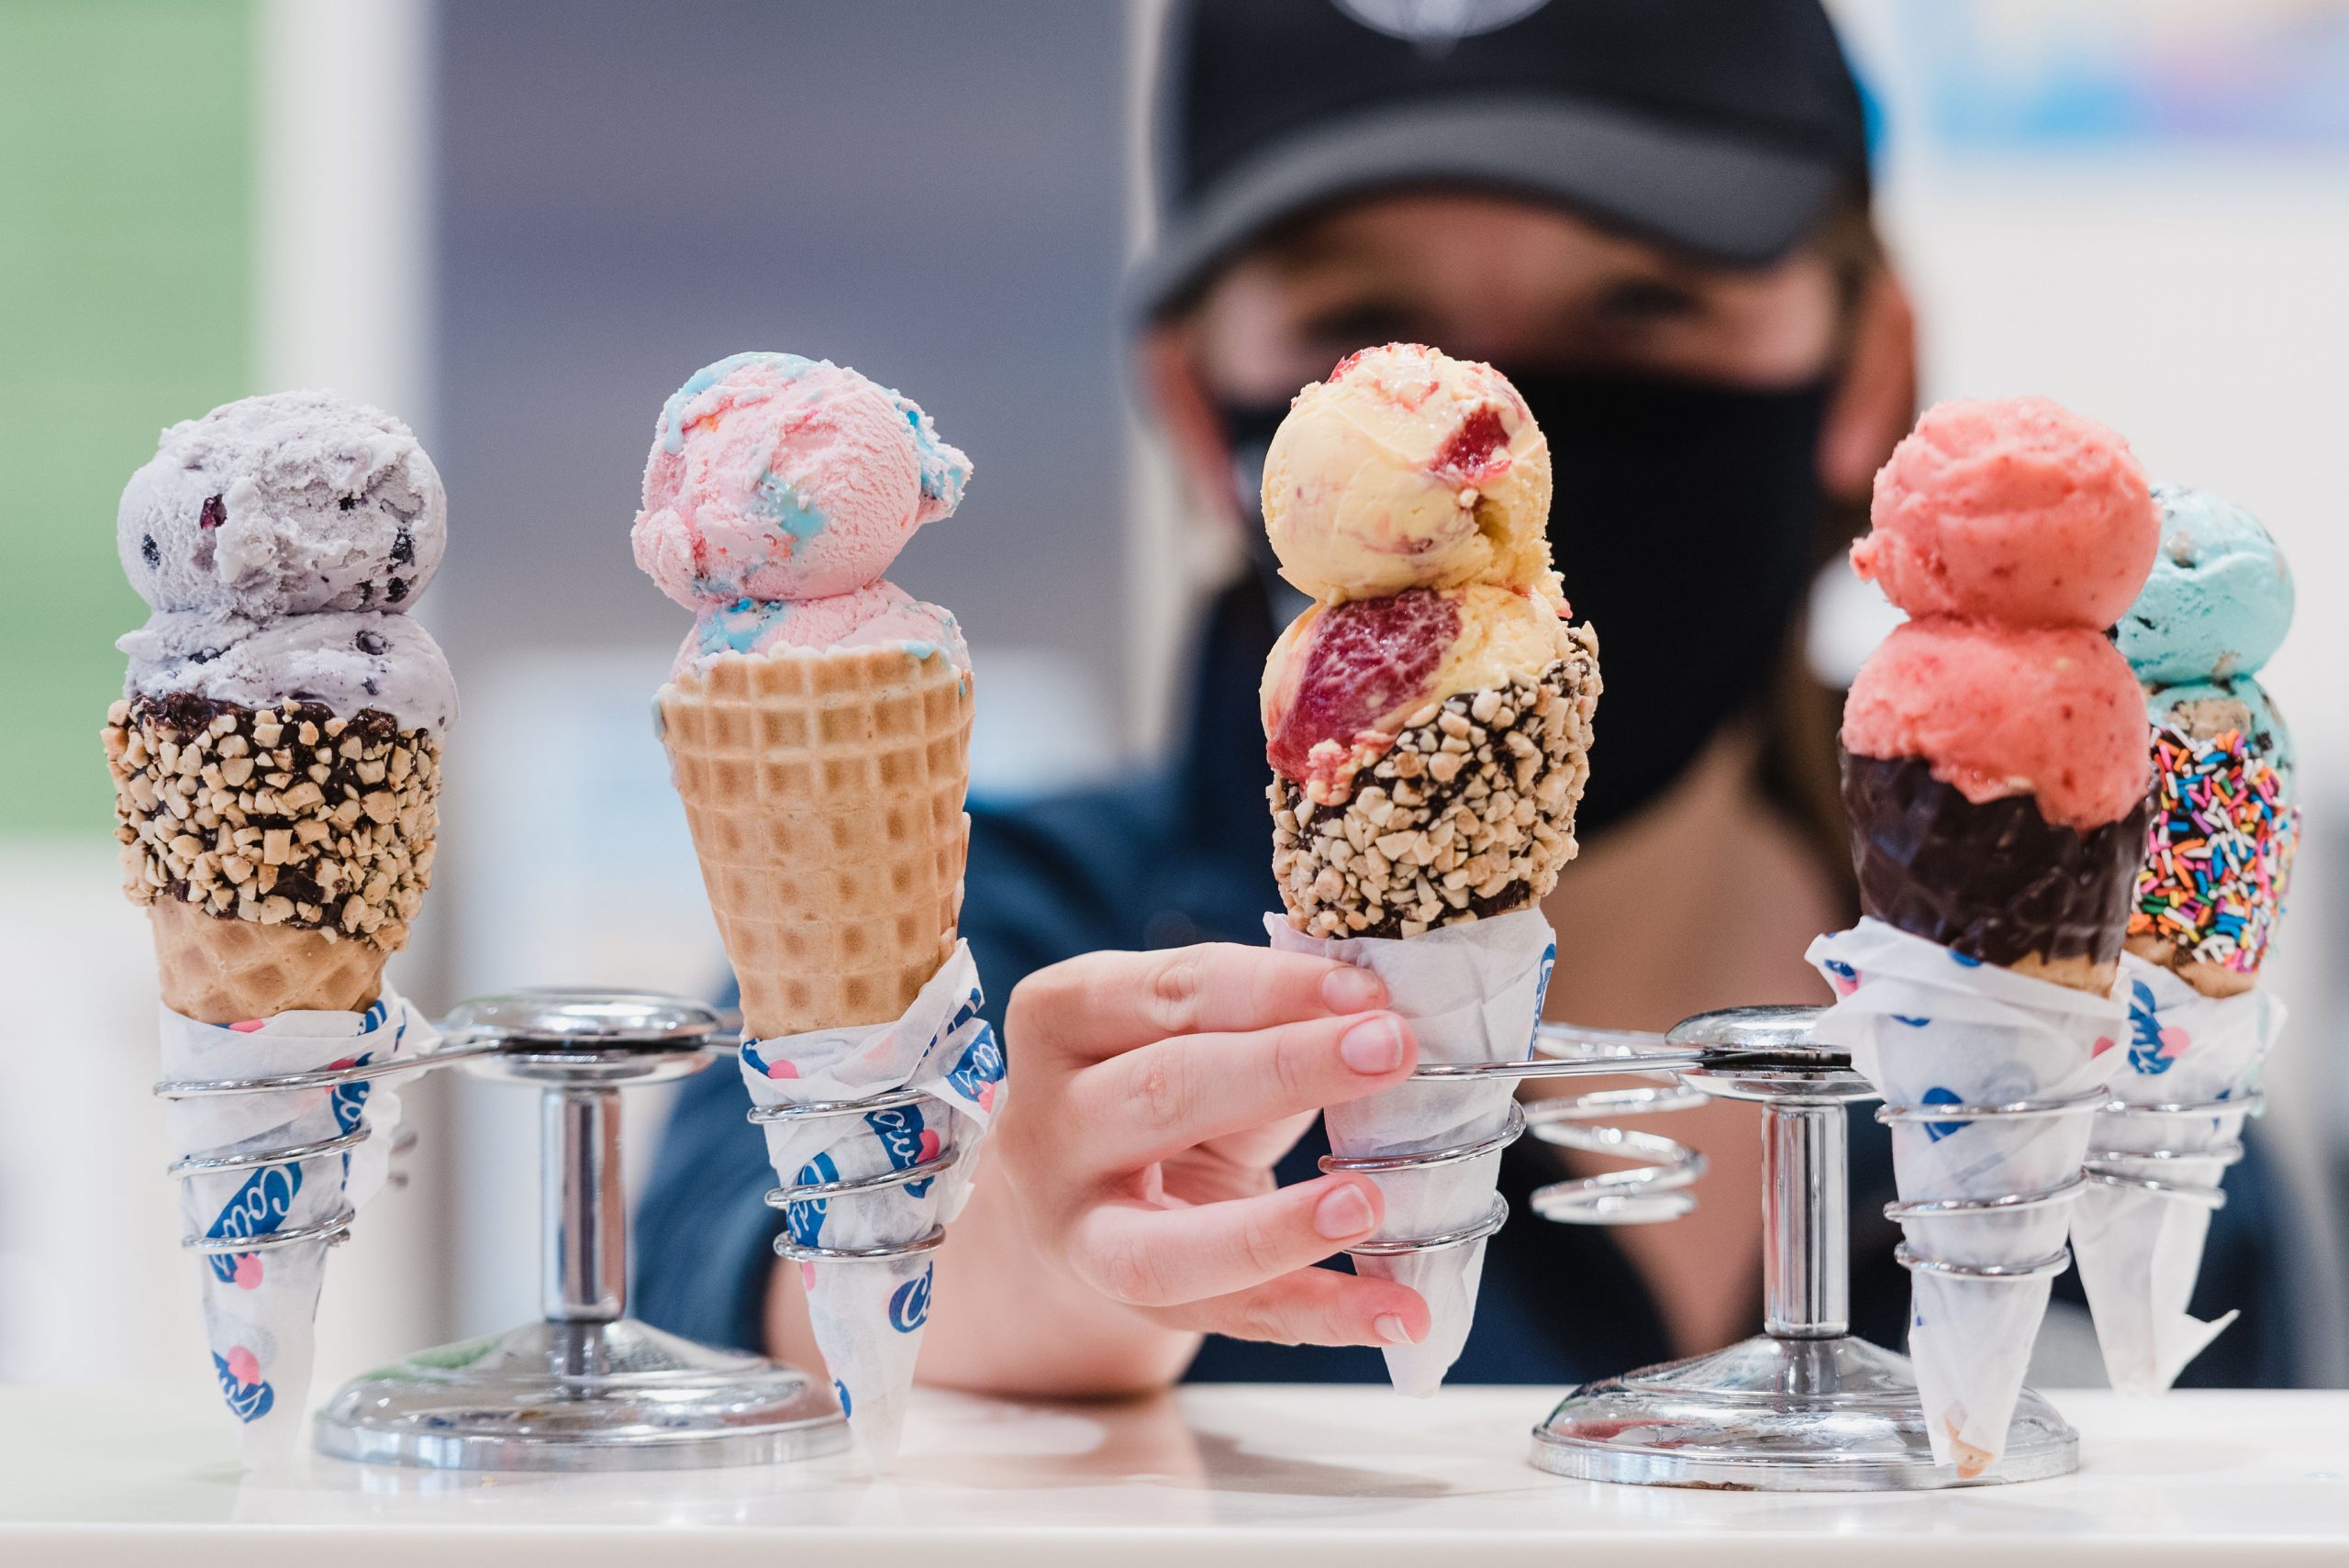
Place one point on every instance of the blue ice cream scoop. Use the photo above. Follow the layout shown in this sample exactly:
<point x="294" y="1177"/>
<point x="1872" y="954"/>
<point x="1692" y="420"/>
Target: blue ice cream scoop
<point x="2220" y="598"/>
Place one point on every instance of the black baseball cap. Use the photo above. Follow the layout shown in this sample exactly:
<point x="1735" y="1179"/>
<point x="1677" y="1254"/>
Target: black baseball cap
<point x="1722" y="127"/>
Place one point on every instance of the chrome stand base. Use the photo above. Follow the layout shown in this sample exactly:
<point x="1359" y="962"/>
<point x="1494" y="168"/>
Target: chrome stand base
<point x="580" y="1396"/>
<point x="1780" y="1415"/>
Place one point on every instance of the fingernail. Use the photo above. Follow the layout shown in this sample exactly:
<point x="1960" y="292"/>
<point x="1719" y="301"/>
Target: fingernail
<point x="1343" y="1213"/>
<point x="1390" y="1328"/>
<point x="1374" y="1045"/>
<point x="1350" y="990"/>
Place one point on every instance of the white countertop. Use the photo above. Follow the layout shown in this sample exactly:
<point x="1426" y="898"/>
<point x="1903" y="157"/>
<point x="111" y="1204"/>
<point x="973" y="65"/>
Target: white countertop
<point x="1234" y="1475"/>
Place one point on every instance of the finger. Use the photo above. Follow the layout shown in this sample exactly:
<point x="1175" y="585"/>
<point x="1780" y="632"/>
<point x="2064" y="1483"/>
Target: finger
<point x="1311" y="1306"/>
<point x="1099" y="1004"/>
<point x="1147" y="1256"/>
<point x="1156" y="1101"/>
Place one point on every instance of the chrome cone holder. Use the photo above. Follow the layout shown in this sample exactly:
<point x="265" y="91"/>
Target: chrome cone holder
<point x="1804" y="1406"/>
<point x="587" y="1388"/>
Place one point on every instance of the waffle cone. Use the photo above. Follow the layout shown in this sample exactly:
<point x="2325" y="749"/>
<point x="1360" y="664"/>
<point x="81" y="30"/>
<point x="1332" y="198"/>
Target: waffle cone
<point x="825" y="795"/>
<point x="218" y="969"/>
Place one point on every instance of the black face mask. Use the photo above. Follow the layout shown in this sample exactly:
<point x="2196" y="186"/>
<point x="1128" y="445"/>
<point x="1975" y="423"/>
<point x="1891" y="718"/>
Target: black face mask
<point x="1682" y="524"/>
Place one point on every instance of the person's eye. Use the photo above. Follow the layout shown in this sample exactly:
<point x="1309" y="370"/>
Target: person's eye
<point x="1642" y="301"/>
<point x="1362" y="322"/>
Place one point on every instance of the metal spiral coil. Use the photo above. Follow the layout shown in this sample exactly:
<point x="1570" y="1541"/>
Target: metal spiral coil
<point x="2061" y="1191"/>
<point x="788" y="1197"/>
<point x="542" y="1037"/>
<point x="2142" y="1170"/>
<point x="335" y="1230"/>
<point x="1654" y="1190"/>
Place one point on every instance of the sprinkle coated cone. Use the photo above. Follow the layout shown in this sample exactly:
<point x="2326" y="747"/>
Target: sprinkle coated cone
<point x="825" y="795"/>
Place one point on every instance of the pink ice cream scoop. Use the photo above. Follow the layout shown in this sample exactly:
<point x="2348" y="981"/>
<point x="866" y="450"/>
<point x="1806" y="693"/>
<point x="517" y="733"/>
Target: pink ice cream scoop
<point x="2053" y="712"/>
<point x="870" y="617"/>
<point x="2016" y="510"/>
<point x="776" y="477"/>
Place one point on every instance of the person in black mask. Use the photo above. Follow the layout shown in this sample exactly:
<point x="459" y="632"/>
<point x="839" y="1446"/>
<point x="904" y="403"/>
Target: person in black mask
<point x="1651" y="216"/>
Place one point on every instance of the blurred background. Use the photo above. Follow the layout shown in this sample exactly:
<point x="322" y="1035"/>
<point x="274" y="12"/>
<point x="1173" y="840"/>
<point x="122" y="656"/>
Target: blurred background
<point x="520" y="223"/>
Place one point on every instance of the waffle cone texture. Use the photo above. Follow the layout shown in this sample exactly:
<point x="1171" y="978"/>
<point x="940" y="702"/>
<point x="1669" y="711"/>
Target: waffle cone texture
<point x="825" y="794"/>
<point x="217" y="969"/>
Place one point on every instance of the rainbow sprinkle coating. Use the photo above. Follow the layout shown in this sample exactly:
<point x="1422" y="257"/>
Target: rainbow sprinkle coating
<point x="2219" y="861"/>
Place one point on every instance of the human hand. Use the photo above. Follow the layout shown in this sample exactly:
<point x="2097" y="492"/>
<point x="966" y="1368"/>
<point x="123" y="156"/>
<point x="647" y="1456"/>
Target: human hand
<point x="1152" y="1095"/>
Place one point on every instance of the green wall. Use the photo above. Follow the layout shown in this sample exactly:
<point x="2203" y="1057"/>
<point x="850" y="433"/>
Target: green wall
<point x="126" y="202"/>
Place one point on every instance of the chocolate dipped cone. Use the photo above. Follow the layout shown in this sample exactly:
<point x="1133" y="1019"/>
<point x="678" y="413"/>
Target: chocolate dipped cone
<point x="1993" y="880"/>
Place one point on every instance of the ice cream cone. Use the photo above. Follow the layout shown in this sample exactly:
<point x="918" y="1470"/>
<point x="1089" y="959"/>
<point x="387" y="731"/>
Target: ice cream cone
<point x="2226" y="832"/>
<point x="1470" y="814"/>
<point x="267" y="898"/>
<point x="825" y="795"/>
<point x="1991" y="880"/>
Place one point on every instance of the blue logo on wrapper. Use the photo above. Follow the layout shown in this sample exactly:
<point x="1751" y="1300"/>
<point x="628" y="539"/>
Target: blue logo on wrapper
<point x="249" y="1395"/>
<point x="1541" y="992"/>
<point x="906" y="1140"/>
<point x="349" y="1101"/>
<point x="803" y="1217"/>
<point x="981" y="1068"/>
<point x="1937" y="1130"/>
<point x="909" y="1303"/>
<point x="258" y="1208"/>
<point x="2153" y="1048"/>
<point x="840" y="1392"/>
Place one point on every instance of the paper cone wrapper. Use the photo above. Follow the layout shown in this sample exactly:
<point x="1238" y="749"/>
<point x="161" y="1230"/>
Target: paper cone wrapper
<point x="825" y="794"/>
<point x="261" y="1307"/>
<point x="2140" y="1252"/>
<point x="1928" y="1026"/>
<point x="868" y="1315"/>
<point x="1471" y="992"/>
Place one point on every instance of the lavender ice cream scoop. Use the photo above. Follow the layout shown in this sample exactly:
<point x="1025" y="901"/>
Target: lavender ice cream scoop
<point x="288" y="504"/>
<point x="349" y="661"/>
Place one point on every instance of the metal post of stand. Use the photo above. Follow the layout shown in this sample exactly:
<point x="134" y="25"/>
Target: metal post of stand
<point x="1803" y="1406"/>
<point x="587" y="1387"/>
<point x="1805" y="1246"/>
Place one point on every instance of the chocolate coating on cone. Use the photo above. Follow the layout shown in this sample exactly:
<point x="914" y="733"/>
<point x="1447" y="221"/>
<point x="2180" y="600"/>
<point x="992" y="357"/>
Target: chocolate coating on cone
<point x="1993" y="880"/>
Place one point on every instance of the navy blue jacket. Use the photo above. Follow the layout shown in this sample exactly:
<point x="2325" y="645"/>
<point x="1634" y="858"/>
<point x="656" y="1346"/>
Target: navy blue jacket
<point x="1182" y="857"/>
